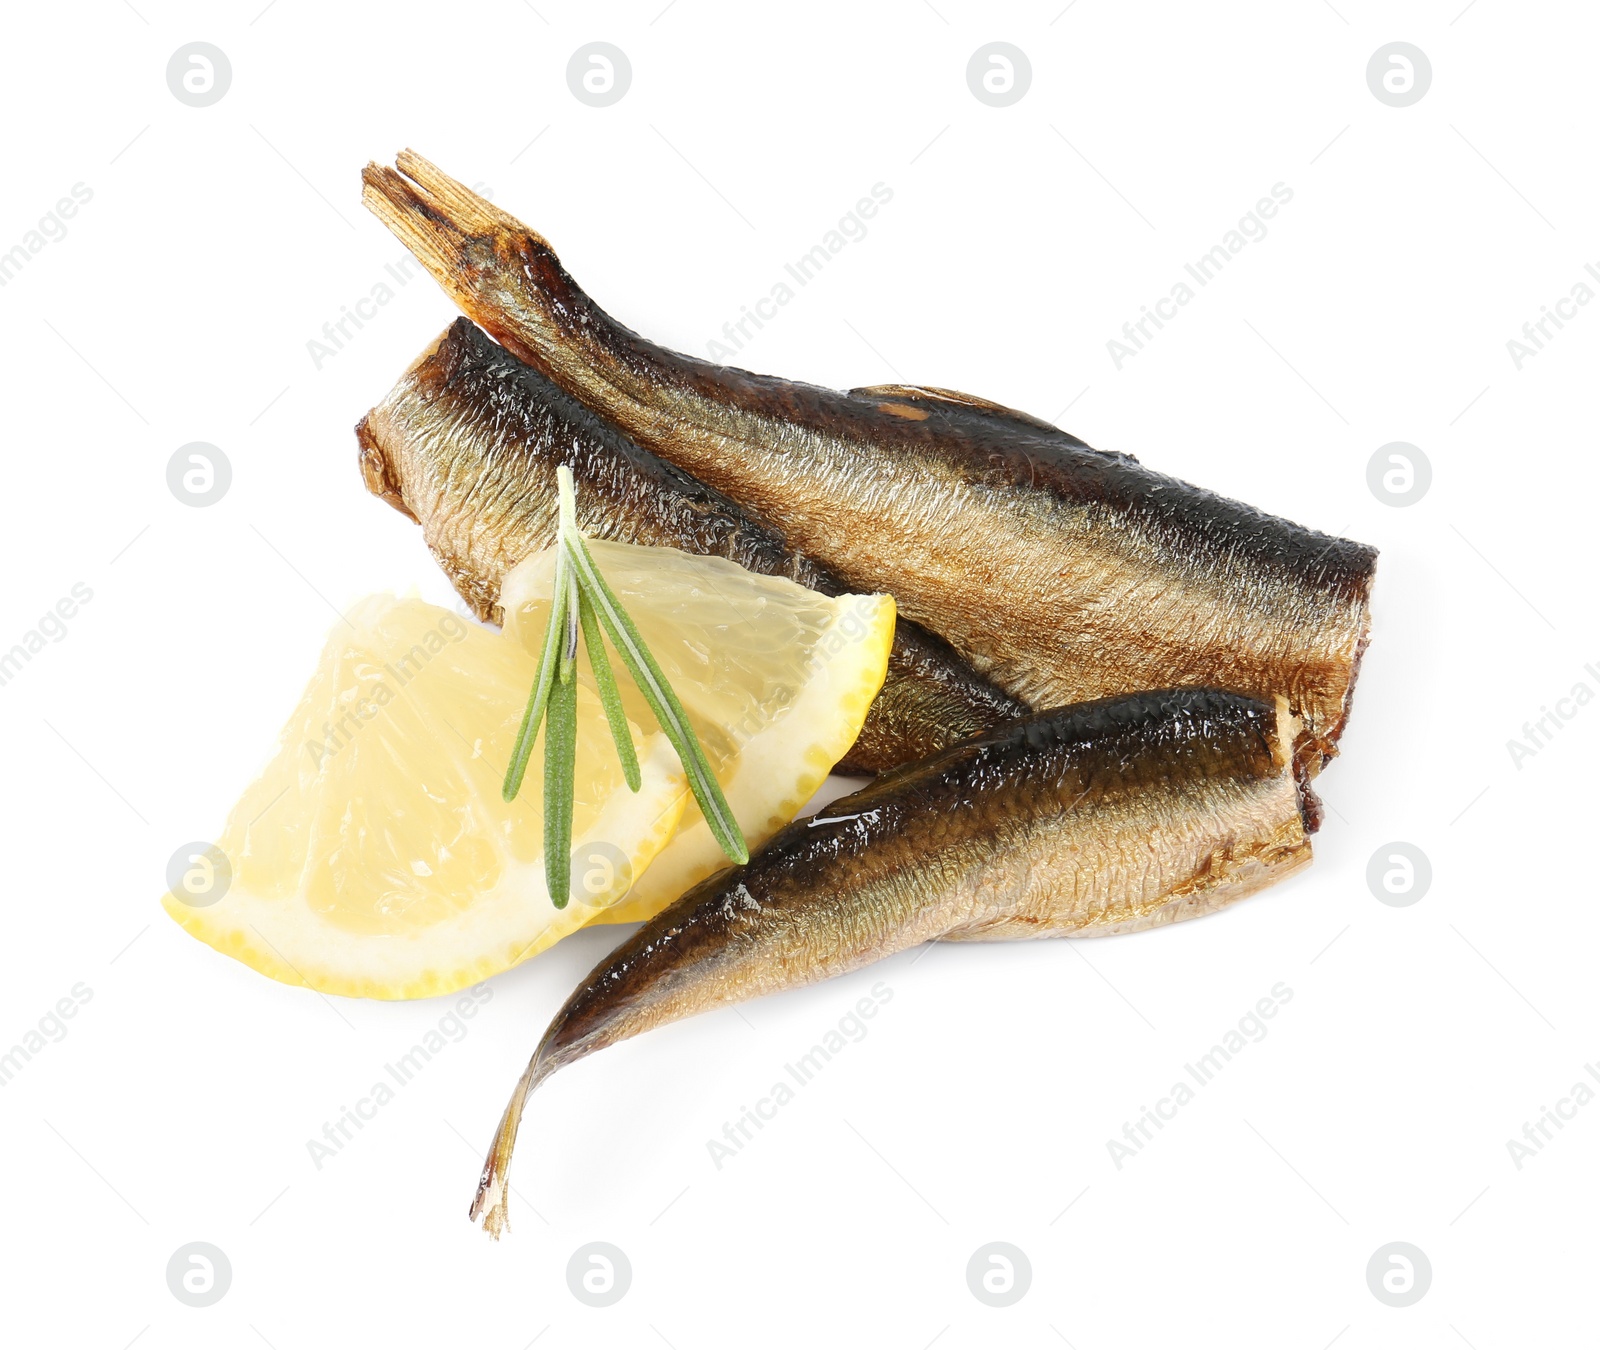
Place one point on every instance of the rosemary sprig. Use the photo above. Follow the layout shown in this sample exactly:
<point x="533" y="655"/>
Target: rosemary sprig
<point x="582" y="602"/>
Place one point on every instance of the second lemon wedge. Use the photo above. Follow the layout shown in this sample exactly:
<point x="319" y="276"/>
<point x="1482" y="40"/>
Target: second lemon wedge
<point x="776" y="680"/>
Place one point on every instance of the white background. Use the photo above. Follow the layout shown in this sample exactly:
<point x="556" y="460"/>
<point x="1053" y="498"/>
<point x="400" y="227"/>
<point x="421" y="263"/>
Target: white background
<point x="1418" y="1040"/>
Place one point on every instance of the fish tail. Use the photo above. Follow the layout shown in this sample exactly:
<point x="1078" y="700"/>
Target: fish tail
<point x="587" y="1022"/>
<point x="449" y="227"/>
<point x="509" y="280"/>
<point x="489" y="1205"/>
<point x="459" y="202"/>
<point x="437" y="242"/>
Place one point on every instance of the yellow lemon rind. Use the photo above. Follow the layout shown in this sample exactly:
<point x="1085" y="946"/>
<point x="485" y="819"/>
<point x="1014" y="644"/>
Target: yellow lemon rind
<point x="799" y="748"/>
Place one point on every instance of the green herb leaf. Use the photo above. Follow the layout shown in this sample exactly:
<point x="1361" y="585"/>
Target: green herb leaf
<point x="606" y="683"/>
<point x="658" y="693"/>
<point x="569" y="646"/>
<point x="560" y="756"/>
<point x="549" y="661"/>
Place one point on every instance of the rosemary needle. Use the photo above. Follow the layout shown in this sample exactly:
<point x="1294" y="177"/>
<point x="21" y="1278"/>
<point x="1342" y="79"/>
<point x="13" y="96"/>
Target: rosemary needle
<point x="606" y="683"/>
<point x="560" y="756"/>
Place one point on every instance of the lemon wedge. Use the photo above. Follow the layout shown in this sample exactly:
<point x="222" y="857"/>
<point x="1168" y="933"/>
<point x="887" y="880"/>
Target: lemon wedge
<point x="776" y="680"/>
<point x="376" y="858"/>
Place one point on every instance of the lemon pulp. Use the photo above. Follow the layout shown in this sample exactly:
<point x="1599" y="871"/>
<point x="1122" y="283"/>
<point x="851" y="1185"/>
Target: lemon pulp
<point x="376" y="857"/>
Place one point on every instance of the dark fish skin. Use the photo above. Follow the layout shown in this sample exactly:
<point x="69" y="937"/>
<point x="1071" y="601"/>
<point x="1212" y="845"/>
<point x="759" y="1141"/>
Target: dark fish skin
<point x="1061" y="572"/>
<point x="467" y="444"/>
<point x="1108" y="817"/>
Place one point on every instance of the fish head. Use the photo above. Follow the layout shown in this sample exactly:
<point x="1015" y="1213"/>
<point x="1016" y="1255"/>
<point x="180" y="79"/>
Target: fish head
<point x="376" y="472"/>
<point x="450" y="449"/>
<point x="384" y="458"/>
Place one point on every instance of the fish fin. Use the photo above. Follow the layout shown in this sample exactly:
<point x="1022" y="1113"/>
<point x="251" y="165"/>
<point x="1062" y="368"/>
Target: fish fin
<point x="922" y="397"/>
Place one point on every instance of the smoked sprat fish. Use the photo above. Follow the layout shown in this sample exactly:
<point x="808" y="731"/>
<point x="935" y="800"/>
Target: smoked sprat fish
<point x="1109" y="817"/>
<point x="1061" y="572"/>
<point x="467" y="444"/>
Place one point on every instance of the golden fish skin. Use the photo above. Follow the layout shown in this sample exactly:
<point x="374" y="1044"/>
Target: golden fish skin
<point x="1108" y="817"/>
<point x="467" y="444"/>
<point x="1060" y="572"/>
